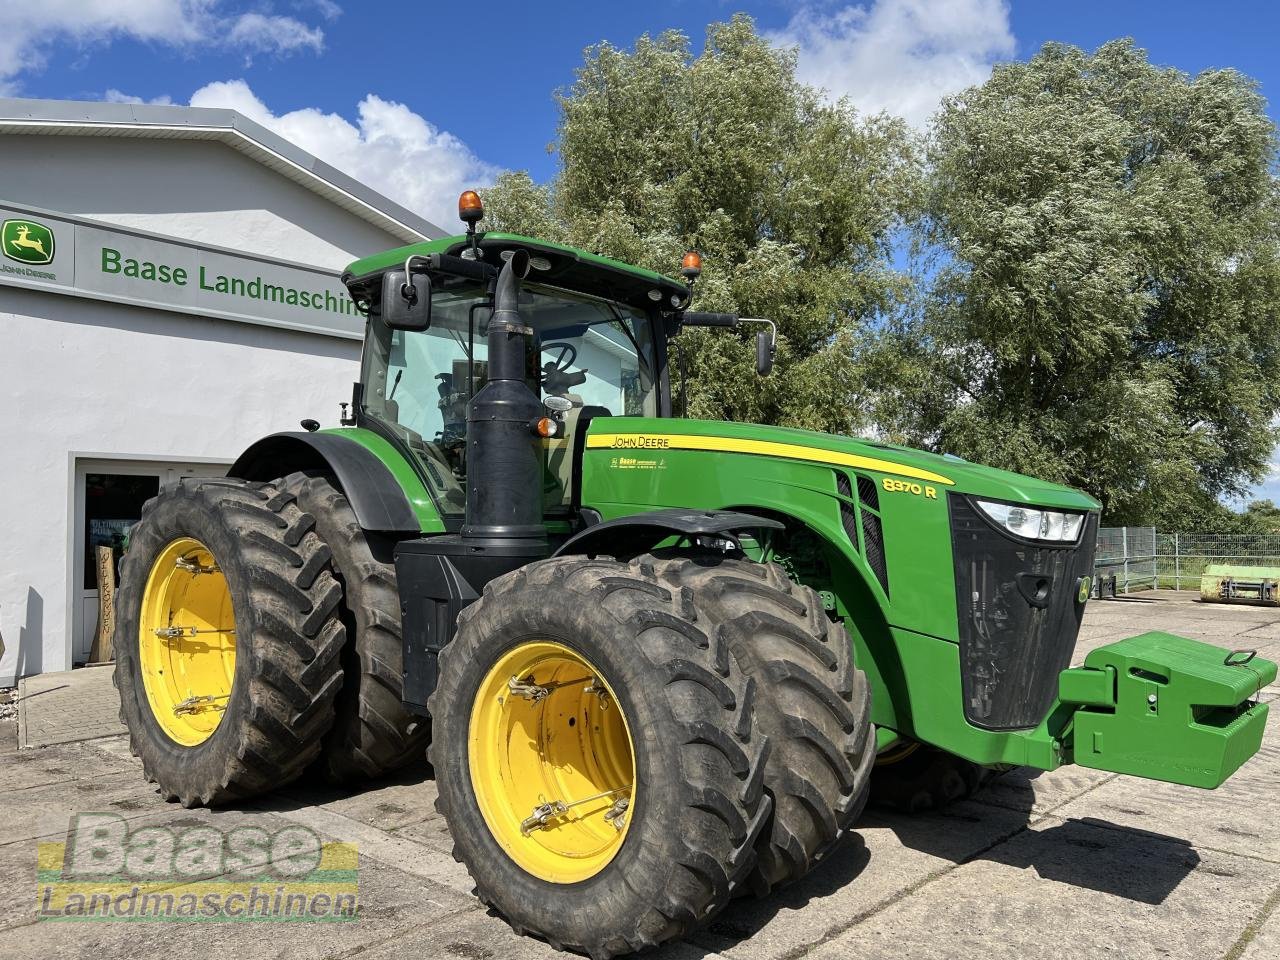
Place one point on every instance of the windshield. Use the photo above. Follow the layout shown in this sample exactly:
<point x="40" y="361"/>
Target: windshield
<point x="596" y="354"/>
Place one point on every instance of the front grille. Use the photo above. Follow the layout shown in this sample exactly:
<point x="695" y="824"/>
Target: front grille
<point x="1018" y="617"/>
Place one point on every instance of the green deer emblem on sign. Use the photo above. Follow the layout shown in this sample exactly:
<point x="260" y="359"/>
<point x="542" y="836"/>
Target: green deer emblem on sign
<point x="27" y="241"/>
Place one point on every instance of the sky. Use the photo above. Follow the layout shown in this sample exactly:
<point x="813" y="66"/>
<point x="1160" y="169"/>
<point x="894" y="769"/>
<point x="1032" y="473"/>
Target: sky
<point x="422" y="100"/>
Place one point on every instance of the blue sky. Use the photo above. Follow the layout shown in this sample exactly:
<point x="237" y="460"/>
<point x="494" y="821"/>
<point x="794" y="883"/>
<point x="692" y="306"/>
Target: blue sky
<point x="420" y="100"/>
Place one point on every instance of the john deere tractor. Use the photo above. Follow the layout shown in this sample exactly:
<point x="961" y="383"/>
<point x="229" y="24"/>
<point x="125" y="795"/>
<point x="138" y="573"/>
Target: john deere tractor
<point x="655" y="662"/>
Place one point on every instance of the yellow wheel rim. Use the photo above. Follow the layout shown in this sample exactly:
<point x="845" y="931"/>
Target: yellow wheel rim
<point x="552" y="762"/>
<point x="187" y="642"/>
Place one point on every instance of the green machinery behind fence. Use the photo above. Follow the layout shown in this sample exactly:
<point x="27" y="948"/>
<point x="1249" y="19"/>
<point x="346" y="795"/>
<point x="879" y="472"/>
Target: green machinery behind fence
<point x="1144" y="558"/>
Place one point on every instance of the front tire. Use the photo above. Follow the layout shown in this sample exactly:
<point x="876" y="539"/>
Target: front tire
<point x="682" y="731"/>
<point x="228" y="640"/>
<point x="914" y="777"/>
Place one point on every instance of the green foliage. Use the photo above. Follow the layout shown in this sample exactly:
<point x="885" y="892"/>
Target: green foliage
<point x="1095" y="292"/>
<point x="1105" y="303"/>
<point x="1262" y="515"/>
<point x="792" y="202"/>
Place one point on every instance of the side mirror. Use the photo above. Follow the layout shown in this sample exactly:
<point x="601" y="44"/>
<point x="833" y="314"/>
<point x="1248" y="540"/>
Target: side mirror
<point x="764" y="352"/>
<point x="406" y="303"/>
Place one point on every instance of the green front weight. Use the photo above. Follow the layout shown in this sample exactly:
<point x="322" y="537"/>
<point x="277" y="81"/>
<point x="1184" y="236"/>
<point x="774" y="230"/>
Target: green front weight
<point x="1166" y="708"/>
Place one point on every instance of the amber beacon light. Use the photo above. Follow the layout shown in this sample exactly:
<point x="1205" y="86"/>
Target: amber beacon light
<point x="691" y="265"/>
<point x="470" y="207"/>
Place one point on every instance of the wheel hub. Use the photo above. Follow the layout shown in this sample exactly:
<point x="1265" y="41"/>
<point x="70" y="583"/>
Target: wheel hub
<point x="187" y="641"/>
<point x="552" y="762"/>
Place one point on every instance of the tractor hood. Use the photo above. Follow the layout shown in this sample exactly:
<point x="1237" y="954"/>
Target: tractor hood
<point x="941" y="472"/>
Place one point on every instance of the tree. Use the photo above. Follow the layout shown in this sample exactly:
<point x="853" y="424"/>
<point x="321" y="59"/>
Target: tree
<point x="791" y="200"/>
<point x="1103" y="240"/>
<point x="1262" y="515"/>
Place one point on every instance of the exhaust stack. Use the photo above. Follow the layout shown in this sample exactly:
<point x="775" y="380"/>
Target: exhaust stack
<point x="504" y="451"/>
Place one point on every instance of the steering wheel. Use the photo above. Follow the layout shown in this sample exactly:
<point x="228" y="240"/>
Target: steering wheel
<point x="562" y="361"/>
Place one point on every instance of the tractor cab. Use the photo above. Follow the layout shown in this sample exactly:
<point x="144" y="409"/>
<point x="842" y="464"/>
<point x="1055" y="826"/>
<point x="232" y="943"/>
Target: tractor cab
<point x="592" y="342"/>
<point x="596" y="347"/>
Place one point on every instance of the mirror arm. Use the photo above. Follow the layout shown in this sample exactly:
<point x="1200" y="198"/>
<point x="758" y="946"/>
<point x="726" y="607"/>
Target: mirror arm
<point x="773" y="329"/>
<point x="766" y="349"/>
<point x="406" y="288"/>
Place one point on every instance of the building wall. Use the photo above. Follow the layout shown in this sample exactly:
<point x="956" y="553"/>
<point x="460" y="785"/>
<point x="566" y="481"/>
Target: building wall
<point x="97" y="378"/>
<point x="202" y="191"/>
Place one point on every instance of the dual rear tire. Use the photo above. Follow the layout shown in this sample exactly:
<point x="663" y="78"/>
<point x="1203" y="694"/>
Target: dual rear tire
<point x="259" y="636"/>
<point x="739" y="710"/>
<point x="228" y="662"/>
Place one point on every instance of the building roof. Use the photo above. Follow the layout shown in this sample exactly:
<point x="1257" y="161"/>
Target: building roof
<point x="161" y="122"/>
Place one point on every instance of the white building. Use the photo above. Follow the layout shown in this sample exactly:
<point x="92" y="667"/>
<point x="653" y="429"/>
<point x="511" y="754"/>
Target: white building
<point x="168" y="294"/>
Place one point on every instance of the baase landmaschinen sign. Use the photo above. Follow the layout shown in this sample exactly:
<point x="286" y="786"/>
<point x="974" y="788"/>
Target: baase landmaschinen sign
<point x="74" y="256"/>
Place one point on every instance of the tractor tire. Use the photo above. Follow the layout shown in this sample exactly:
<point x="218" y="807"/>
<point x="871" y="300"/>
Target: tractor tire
<point x="372" y="734"/>
<point x="914" y="777"/>
<point x="668" y="716"/>
<point x="814" y="704"/>
<point x="239" y="706"/>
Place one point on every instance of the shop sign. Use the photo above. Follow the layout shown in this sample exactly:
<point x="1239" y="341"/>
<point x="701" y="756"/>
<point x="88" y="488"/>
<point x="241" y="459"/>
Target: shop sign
<point x="79" y="257"/>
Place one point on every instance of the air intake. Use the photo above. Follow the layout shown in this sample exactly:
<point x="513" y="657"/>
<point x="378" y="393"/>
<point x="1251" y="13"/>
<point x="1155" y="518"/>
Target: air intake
<point x="872" y="531"/>
<point x="848" y="514"/>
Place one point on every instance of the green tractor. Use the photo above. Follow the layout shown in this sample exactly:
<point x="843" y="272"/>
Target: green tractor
<point x="655" y="662"/>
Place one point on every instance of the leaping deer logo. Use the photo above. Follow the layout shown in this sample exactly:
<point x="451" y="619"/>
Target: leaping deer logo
<point x="23" y="239"/>
<point x="26" y="241"/>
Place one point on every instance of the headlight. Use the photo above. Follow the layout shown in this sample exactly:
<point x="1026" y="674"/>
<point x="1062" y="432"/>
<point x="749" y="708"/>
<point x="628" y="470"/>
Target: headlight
<point x="1034" y="524"/>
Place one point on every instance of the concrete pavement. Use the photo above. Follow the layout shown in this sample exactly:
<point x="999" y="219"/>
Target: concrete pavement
<point x="1069" y="864"/>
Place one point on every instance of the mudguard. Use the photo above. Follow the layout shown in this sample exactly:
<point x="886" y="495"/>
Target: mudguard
<point x="376" y="497"/>
<point x="640" y="532"/>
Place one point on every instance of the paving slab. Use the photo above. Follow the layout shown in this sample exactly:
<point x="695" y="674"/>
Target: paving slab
<point x="1070" y="889"/>
<point x="1234" y="817"/>
<point x="889" y="856"/>
<point x="42" y="766"/>
<point x="1262" y="941"/>
<point x="405" y="798"/>
<point x="393" y="849"/>
<point x="1037" y="791"/>
<point x="431" y="832"/>
<point x="44" y="702"/>
<point x="475" y="935"/>
<point x="43" y="811"/>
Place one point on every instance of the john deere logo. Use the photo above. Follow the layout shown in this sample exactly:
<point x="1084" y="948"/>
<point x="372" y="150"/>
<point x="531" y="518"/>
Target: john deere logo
<point x="27" y="241"/>
<point x="1085" y="588"/>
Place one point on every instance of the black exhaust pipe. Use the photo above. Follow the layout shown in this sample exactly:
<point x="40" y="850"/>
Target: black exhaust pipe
<point x="504" y="451"/>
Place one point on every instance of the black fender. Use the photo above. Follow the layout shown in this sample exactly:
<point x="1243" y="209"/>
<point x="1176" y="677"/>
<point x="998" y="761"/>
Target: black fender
<point x="640" y="532"/>
<point x="375" y="495"/>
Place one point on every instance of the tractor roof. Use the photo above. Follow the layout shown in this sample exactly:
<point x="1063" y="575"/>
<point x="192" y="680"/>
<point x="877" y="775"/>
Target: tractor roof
<point x="565" y="266"/>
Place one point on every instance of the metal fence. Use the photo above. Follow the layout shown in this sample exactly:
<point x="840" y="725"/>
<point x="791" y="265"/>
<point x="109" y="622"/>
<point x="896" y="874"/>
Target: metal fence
<point x="1143" y="558"/>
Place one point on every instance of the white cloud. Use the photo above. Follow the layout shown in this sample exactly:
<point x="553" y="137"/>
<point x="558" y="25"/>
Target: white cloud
<point x="899" y="56"/>
<point x="392" y="149"/>
<point x="118" y="96"/>
<point x="326" y="8"/>
<point x="259" y="33"/>
<point x="30" y="28"/>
